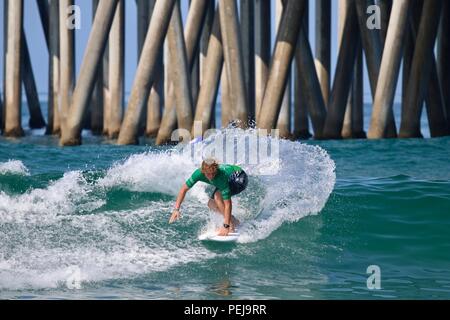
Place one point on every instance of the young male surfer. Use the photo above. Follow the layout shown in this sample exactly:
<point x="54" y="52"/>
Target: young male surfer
<point x="228" y="180"/>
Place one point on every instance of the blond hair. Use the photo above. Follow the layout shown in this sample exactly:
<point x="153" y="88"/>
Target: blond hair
<point x="209" y="164"/>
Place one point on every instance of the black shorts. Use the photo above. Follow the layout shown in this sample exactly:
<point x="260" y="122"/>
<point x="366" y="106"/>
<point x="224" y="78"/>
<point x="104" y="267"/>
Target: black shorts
<point x="237" y="181"/>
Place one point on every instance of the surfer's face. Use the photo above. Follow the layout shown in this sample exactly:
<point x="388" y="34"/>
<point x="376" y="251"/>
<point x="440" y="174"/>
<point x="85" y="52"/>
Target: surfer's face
<point x="210" y="173"/>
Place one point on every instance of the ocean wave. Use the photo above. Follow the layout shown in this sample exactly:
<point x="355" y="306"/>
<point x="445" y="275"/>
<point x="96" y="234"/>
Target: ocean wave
<point x="13" y="167"/>
<point x="65" y="234"/>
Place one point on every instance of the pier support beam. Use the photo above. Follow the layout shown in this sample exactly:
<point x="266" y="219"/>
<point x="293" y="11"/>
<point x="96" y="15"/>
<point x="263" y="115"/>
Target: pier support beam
<point x="284" y="118"/>
<point x="34" y="106"/>
<point x="323" y="46"/>
<point x="385" y="8"/>
<point x="145" y="73"/>
<point x="347" y="124"/>
<point x="1" y="112"/>
<point x="144" y="14"/>
<point x="310" y="84"/>
<point x="192" y="32"/>
<point x="232" y="46"/>
<point x="301" y="121"/>
<point x="444" y="57"/>
<point x="151" y="115"/>
<point x="373" y="49"/>
<point x="116" y="71"/>
<point x="67" y="51"/>
<point x="13" y="97"/>
<point x="92" y="58"/>
<point x="262" y="50"/>
<point x="156" y="100"/>
<point x="389" y="70"/>
<point x="43" y="14"/>
<point x="226" y="106"/>
<point x="180" y="76"/>
<point x="343" y="75"/>
<point x="353" y="126"/>
<point x="211" y="78"/>
<point x="357" y="93"/>
<point x="284" y="51"/>
<point x="420" y="69"/>
<point x="248" y="51"/>
<point x="94" y="119"/>
<point x="5" y="46"/>
<point x="204" y="44"/>
<point x="433" y="93"/>
<point x="53" y="122"/>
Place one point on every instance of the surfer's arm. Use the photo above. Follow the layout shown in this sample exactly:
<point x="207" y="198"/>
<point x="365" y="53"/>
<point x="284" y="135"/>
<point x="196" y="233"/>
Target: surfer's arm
<point x="227" y="211"/>
<point x="227" y="218"/>
<point x="176" y="211"/>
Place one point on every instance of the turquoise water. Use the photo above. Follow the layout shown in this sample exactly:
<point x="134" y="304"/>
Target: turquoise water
<point x="91" y="223"/>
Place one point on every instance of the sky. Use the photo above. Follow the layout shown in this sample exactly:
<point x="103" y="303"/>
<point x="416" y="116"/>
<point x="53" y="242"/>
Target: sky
<point x="39" y="54"/>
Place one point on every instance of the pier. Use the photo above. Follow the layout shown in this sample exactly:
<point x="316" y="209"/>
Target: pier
<point x="272" y="81"/>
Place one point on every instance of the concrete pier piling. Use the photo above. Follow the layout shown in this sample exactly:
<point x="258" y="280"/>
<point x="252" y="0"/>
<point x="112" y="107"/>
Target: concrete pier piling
<point x="310" y="84"/>
<point x="34" y="106"/>
<point x="94" y="116"/>
<point x="234" y="65"/>
<point x="262" y="50"/>
<point x="284" y="118"/>
<point x="444" y="58"/>
<point x="204" y="43"/>
<point x="1" y="111"/>
<point x="357" y="92"/>
<point x="67" y="59"/>
<point x="43" y="14"/>
<point x="192" y="33"/>
<point x="373" y="50"/>
<point x="353" y="119"/>
<point x="226" y="46"/>
<point x="226" y="113"/>
<point x="434" y="96"/>
<point x="389" y="70"/>
<point x="152" y="114"/>
<point x="420" y="69"/>
<point x="53" y="121"/>
<point x="323" y="46"/>
<point x="13" y="99"/>
<point x="181" y="76"/>
<point x="301" y="120"/>
<point x="211" y="79"/>
<point x="145" y="73"/>
<point x="116" y="71"/>
<point x="343" y="74"/>
<point x="283" y="54"/>
<point x="86" y="79"/>
<point x="247" y="22"/>
<point x="5" y="46"/>
<point x="385" y="11"/>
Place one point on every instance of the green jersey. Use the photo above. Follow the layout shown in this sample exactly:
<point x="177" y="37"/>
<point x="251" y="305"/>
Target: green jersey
<point x="220" y="181"/>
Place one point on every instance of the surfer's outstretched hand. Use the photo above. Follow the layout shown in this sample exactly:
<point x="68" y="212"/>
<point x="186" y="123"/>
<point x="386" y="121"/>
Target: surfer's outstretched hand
<point x="223" y="232"/>
<point x="175" y="216"/>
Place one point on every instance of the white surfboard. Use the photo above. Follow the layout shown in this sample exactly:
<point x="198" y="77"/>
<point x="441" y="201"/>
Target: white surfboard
<point x="212" y="236"/>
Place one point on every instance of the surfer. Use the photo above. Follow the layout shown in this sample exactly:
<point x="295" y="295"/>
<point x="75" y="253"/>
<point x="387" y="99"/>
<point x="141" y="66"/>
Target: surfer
<point x="228" y="181"/>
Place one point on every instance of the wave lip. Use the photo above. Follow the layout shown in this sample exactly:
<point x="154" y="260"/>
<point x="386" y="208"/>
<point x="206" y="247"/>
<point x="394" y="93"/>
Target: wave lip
<point x="69" y="194"/>
<point x="13" y="167"/>
<point x="294" y="181"/>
